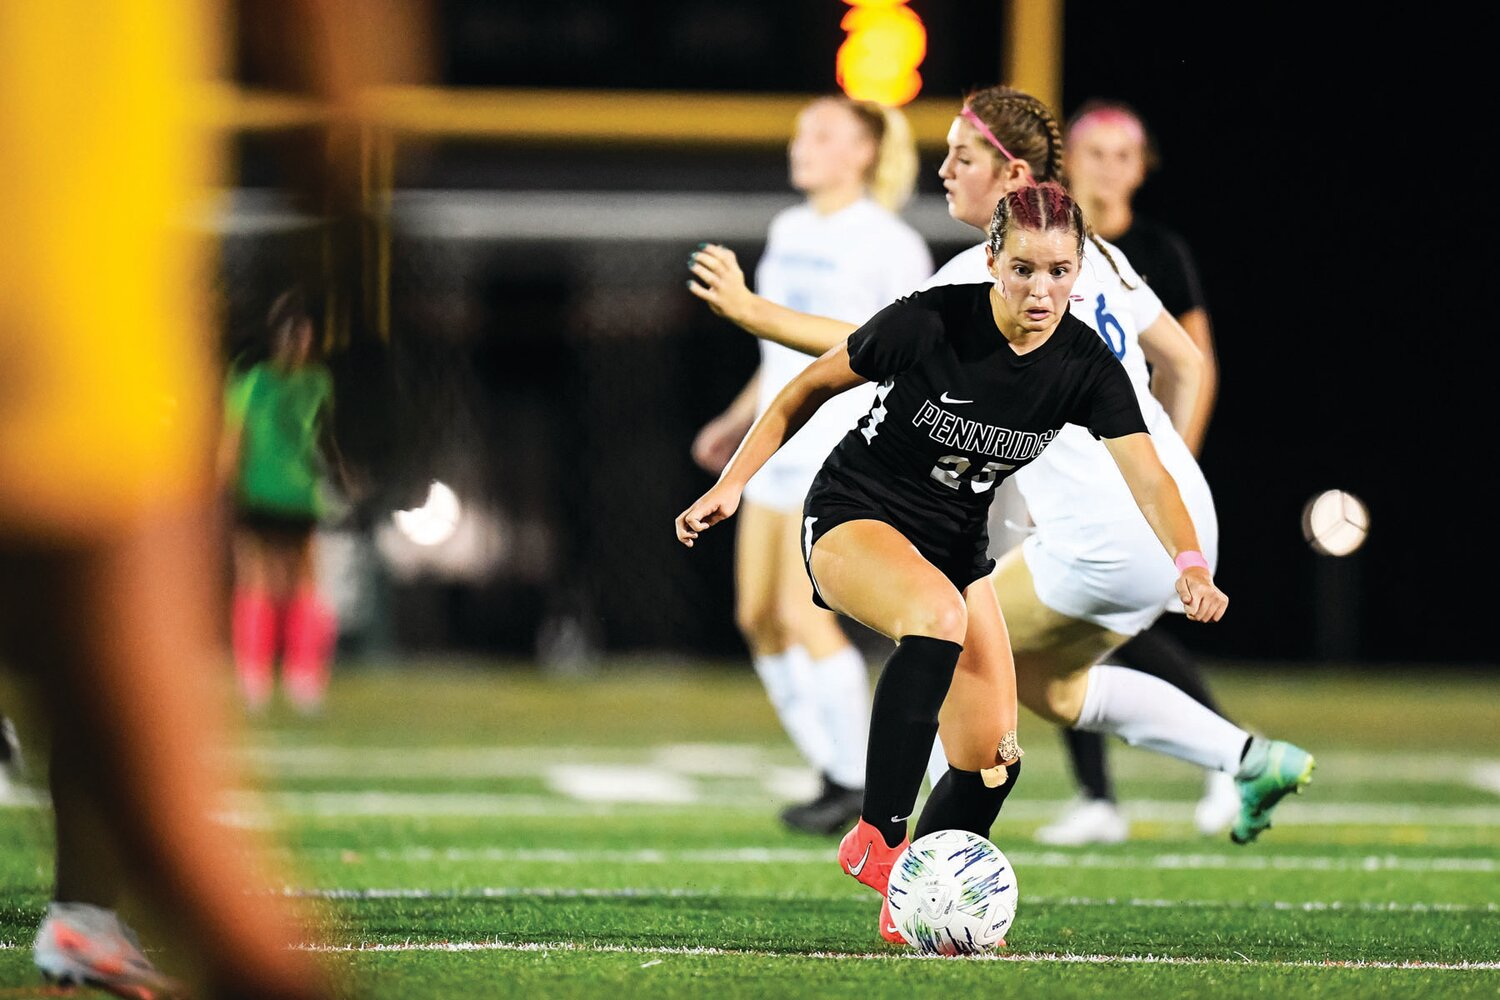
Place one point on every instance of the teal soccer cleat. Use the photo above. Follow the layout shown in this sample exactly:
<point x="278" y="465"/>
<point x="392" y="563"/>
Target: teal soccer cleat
<point x="1281" y="769"/>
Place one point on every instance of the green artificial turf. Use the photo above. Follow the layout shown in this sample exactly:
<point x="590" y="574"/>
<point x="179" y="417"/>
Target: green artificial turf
<point x="482" y="823"/>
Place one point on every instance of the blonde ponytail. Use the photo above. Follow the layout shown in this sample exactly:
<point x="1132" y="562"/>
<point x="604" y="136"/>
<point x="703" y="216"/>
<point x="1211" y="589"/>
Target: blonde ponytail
<point x="895" y="173"/>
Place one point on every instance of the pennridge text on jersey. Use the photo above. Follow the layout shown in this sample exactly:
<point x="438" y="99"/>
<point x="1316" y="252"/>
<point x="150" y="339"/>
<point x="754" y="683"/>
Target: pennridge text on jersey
<point x="980" y="438"/>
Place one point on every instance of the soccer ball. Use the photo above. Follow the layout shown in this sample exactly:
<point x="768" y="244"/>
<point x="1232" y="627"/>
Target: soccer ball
<point x="952" y="893"/>
<point x="1335" y="523"/>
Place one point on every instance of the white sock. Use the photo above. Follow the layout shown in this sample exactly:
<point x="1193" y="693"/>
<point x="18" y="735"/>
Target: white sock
<point x="842" y="685"/>
<point x="1146" y="711"/>
<point x="788" y="678"/>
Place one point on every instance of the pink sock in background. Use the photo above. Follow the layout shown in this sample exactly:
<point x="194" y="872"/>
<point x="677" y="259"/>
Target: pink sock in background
<point x="253" y="628"/>
<point x="311" y="630"/>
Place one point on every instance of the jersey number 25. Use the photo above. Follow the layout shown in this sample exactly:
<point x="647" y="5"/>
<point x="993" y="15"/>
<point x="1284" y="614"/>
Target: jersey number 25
<point x="951" y="470"/>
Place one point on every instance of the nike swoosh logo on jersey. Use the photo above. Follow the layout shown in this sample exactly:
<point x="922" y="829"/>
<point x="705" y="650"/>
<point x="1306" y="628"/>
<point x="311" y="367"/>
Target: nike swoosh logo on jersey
<point x="944" y="398"/>
<point x="856" y="869"/>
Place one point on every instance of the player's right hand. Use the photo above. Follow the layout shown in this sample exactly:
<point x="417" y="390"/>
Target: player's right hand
<point x="715" y="444"/>
<point x="723" y="284"/>
<point x="1201" y="599"/>
<point x="716" y="505"/>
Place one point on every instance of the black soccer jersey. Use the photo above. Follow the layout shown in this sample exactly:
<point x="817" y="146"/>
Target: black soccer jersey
<point x="1162" y="258"/>
<point x="957" y="410"/>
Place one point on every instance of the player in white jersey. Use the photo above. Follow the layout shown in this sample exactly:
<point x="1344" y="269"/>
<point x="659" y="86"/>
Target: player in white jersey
<point x="856" y="163"/>
<point x="1109" y="153"/>
<point x="1083" y="583"/>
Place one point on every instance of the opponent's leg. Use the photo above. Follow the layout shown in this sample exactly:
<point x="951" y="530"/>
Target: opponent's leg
<point x="1092" y="817"/>
<point x="1158" y="653"/>
<point x="838" y="684"/>
<point x="1153" y="652"/>
<point x="783" y="667"/>
<point x="1054" y="680"/>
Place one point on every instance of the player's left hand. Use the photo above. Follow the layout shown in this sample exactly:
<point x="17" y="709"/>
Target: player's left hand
<point x="1204" y="601"/>
<point x="723" y="284"/>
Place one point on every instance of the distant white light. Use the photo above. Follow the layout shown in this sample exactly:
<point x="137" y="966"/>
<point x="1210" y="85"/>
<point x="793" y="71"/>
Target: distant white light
<point x="1335" y="523"/>
<point x="435" y="521"/>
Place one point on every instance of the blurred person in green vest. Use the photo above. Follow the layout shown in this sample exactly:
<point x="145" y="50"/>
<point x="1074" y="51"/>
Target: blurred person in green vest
<point x="277" y="431"/>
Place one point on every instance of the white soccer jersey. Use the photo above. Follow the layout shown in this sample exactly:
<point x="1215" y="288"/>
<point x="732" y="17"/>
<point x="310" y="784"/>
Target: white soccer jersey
<point x="1074" y="490"/>
<point x="848" y="266"/>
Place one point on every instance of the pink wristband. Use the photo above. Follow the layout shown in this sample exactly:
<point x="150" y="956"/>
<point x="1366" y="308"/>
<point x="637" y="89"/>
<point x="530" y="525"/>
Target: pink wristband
<point x="1189" y="558"/>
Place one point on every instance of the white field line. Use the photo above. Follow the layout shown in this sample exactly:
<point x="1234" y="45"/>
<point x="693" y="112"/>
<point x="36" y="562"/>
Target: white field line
<point x="260" y="810"/>
<point x="748" y="760"/>
<point x="616" y="783"/>
<point x="549" y="892"/>
<point x="1300" y="812"/>
<point x="1486" y="775"/>
<point x="890" y="956"/>
<point x="1022" y="858"/>
<point x="893" y="955"/>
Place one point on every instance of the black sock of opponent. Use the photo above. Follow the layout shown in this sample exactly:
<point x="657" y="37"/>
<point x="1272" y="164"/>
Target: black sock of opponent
<point x="1156" y="652"/>
<point x="1090" y="767"/>
<point x="962" y="801"/>
<point x="903" y="723"/>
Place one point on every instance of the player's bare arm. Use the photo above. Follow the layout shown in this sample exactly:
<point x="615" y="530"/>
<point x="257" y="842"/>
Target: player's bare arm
<point x="721" y="283"/>
<point x="1198" y="326"/>
<point x="1179" y="377"/>
<point x="825" y="378"/>
<point x="1156" y="494"/>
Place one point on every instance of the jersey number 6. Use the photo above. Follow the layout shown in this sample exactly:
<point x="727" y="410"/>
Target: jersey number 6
<point x="950" y="470"/>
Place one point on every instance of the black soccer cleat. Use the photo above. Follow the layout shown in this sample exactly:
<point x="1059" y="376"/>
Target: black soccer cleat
<point x="831" y="812"/>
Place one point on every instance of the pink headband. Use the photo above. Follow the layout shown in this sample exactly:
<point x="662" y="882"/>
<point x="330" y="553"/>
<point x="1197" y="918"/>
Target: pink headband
<point x="968" y="114"/>
<point x="1111" y="116"/>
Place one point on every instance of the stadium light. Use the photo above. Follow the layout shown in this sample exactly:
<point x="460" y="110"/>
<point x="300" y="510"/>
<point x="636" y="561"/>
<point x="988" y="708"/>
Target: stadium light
<point x="878" y="61"/>
<point x="1335" y="523"/>
<point x="435" y="521"/>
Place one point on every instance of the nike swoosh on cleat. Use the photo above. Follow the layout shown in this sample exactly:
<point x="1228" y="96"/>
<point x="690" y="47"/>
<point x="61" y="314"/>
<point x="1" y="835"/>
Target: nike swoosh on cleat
<point x="944" y="398"/>
<point x="856" y="869"/>
<point x="893" y="930"/>
<point x="901" y="819"/>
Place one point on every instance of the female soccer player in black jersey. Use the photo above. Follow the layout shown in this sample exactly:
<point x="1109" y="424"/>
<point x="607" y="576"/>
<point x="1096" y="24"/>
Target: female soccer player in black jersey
<point x="975" y="380"/>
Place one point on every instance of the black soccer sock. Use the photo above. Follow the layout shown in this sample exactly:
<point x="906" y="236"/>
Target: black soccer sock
<point x="1090" y="766"/>
<point x="1158" y="653"/>
<point x="962" y="801"/>
<point x="903" y="723"/>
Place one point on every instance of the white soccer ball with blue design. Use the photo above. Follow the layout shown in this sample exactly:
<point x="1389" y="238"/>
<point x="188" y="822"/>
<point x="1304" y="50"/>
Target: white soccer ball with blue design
<point x="952" y="893"/>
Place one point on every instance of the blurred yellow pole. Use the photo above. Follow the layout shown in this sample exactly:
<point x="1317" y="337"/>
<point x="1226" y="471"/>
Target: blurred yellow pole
<point x="1034" y="49"/>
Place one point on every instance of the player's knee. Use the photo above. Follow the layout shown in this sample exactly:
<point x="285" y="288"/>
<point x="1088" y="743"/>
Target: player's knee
<point x="1035" y="690"/>
<point x="760" y="625"/>
<point x="945" y="618"/>
<point x="1064" y="698"/>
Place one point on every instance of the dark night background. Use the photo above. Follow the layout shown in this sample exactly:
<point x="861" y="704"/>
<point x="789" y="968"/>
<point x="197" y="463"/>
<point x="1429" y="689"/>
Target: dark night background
<point x="1329" y="176"/>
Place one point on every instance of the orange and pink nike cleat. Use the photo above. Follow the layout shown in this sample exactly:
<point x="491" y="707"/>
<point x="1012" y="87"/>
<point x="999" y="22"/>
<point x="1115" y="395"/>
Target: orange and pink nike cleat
<point x="83" y="945"/>
<point x="888" y="929"/>
<point x="863" y="854"/>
